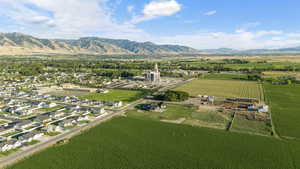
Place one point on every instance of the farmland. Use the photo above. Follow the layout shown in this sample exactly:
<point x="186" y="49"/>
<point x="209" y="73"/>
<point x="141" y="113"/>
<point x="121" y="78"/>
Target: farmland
<point x="185" y="114"/>
<point x="224" y="76"/>
<point x="284" y="100"/>
<point x="241" y="124"/>
<point x="130" y="143"/>
<point x="114" y="95"/>
<point x="223" y="88"/>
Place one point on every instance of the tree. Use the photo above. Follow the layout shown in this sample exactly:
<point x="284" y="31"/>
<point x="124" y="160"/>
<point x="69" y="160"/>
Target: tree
<point x="174" y="96"/>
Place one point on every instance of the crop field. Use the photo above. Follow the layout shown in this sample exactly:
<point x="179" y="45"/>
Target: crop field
<point x="223" y="88"/>
<point x="185" y="114"/>
<point x="241" y="124"/>
<point x="114" y="95"/>
<point x="130" y="143"/>
<point x="224" y="76"/>
<point x="284" y="101"/>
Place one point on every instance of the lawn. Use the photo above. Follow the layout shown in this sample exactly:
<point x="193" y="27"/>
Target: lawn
<point x="223" y="88"/>
<point x="285" y="107"/>
<point x="52" y="108"/>
<point x="241" y="124"/>
<point x="130" y="143"/>
<point x="115" y="95"/>
<point x="3" y="121"/>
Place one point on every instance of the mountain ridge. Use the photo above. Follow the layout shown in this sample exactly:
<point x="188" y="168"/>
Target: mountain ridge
<point x="18" y="43"/>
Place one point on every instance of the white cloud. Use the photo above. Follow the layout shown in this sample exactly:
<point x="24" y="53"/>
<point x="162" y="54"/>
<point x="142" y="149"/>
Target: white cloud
<point x="209" y="13"/>
<point x="65" y="19"/>
<point x="77" y="18"/>
<point x="156" y="9"/>
<point x="235" y="40"/>
<point x="293" y="35"/>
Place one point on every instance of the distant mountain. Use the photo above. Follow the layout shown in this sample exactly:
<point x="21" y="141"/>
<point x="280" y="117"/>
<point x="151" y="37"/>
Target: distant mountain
<point x="227" y="51"/>
<point x="17" y="43"/>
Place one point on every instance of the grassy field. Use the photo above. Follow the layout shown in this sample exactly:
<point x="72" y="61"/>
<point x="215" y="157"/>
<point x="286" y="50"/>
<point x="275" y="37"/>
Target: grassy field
<point x="284" y="101"/>
<point x="241" y="124"/>
<point x="224" y="76"/>
<point x="186" y="114"/>
<point x="223" y="88"/>
<point x="114" y="95"/>
<point x="130" y="143"/>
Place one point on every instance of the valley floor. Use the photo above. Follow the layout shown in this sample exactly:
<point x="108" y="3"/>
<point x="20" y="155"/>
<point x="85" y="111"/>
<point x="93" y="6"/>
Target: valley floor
<point x="132" y="143"/>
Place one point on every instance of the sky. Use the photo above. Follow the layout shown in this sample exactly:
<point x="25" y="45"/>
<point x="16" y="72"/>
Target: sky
<point x="201" y="24"/>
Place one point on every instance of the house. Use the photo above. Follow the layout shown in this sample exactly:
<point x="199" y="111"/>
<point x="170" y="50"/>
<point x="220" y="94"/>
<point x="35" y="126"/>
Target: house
<point x="28" y="137"/>
<point x="6" y="129"/>
<point x="24" y="124"/>
<point x="42" y="105"/>
<point x="102" y="111"/>
<point x="83" y="118"/>
<point x="51" y="105"/>
<point x="56" y="114"/>
<point x="54" y="128"/>
<point x="10" y="145"/>
<point x="118" y="104"/>
<point x="43" y="118"/>
<point x="154" y="107"/>
<point x="103" y="91"/>
<point x="67" y="123"/>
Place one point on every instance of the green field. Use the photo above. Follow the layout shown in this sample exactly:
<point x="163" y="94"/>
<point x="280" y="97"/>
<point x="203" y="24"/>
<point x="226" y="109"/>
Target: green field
<point x="224" y="76"/>
<point x="223" y="88"/>
<point x="241" y="124"/>
<point x="130" y="143"/>
<point x="185" y="114"/>
<point x="284" y="101"/>
<point x="114" y="95"/>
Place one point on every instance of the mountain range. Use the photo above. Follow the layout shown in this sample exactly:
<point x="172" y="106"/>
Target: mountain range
<point x="17" y="43"/>
<point x="228" y="51"/>
<point x="21" y="44"/>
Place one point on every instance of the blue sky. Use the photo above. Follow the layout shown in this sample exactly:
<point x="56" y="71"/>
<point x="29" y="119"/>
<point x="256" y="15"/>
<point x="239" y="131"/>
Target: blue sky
<point x="202" y="24"/>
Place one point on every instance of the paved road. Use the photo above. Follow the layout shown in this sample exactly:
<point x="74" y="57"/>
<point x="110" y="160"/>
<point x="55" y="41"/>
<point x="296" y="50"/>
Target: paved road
<point x="15" y="157"/>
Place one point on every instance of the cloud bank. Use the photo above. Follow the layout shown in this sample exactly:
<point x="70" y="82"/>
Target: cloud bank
<point x="78" y="18"/>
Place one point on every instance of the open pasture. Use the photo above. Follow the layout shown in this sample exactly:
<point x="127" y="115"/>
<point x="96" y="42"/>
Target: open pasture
<point x="223" y="88"/>
<point x="130" y="143"/>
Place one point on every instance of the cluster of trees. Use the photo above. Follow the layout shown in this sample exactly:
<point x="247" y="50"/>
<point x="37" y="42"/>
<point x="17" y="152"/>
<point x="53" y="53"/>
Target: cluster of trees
<point x="116" y="74"/>
<point x="254" y="77"/>
<point x="284" y="80"/>
<point x="173" y="96"/>
<point x="235" y="61"/>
